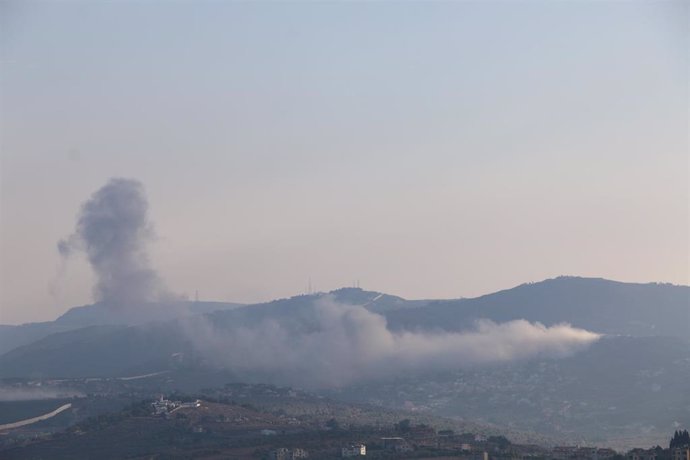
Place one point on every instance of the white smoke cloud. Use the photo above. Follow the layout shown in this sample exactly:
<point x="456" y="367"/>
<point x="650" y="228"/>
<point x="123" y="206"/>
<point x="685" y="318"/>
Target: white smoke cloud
<point x="8" y="393"/>
<point x="326" y="344"/>
<point x="340" y="344"/>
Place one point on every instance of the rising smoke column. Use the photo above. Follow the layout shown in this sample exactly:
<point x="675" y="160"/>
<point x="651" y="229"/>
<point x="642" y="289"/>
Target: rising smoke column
<point x="113" y="230"/>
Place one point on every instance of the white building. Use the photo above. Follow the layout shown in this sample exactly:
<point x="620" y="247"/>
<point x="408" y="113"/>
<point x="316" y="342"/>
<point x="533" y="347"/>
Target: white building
<point x="355" y="450"/>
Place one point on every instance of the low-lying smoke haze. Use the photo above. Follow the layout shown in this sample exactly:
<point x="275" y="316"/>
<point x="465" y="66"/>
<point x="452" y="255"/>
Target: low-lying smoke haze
<point x="324" y="344"/>
<point x="114" y="231"/>
<point x="333" y="344"/>
<point x="8" y="393"/>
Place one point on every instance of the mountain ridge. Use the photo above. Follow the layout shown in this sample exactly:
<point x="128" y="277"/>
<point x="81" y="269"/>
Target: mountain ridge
<point x="595" y="393"/>
<point x="602" y="306"/>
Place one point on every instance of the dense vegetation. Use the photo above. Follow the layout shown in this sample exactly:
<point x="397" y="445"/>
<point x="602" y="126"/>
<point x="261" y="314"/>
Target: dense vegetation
<point x="680" y="439"/>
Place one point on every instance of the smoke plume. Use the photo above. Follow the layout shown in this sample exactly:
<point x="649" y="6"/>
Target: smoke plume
<point x="113" y="231"/>
<point x="332" y="344"/>
<point x="324" y="343"/>
<point x="8" y="393"/>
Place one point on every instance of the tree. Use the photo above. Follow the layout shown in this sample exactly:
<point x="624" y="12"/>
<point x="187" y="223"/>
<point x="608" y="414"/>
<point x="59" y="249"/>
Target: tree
<point x="680" y="439"/>
<point x="403" y="426"/>
<point x="502" y="441"/>
<point x="333" y="424"/>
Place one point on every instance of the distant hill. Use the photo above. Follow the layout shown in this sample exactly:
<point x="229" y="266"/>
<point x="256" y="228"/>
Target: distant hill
<point x="374" y="301"/>
<point x="620" y="392"/>
<point x="602" y="306"/>
<point x="595" y="304"/>
<point x="296" y="313"/>
<point x="16" y="336"/>
<point x="92" y="341"/>
<point x="98" y="315"/>
<point x="631" y="383"/>
<point x="599" y="305"/>
<point x="95" y="351"/>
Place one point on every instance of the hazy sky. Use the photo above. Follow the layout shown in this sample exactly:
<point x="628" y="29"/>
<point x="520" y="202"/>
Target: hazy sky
<point x="426" y="149"/>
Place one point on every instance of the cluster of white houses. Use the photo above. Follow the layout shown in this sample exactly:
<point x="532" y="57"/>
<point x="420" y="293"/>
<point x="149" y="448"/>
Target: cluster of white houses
<point x="284" y="453"/>
<point x="165" y="406"/>
<point x="353" y="450"/>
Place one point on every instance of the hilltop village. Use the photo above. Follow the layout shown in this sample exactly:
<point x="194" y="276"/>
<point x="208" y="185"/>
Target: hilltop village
<point x="266" y="422"/>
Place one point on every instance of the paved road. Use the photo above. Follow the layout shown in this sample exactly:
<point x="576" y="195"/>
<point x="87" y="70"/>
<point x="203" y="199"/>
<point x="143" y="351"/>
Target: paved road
<point x="29" y="421"/>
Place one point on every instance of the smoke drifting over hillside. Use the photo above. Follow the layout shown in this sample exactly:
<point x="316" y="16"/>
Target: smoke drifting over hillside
<point x="113" y="231"/>
<point x="32" y="394"/>
<point x="320" y="344"/>
<point x="341" y="344"/>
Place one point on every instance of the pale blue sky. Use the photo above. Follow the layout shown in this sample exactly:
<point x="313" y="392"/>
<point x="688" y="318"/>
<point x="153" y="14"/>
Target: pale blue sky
<point x="427" y="149"/>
